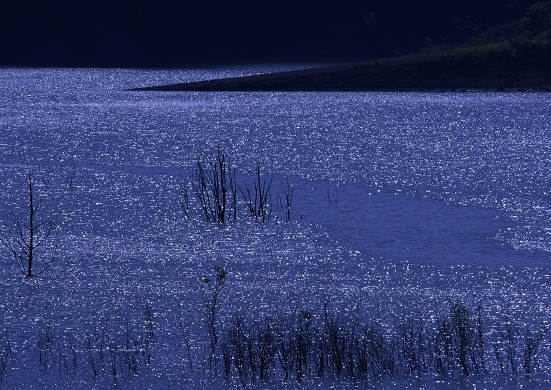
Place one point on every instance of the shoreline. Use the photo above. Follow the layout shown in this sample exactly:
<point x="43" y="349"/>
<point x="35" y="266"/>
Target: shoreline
<point x="407" y="74"/>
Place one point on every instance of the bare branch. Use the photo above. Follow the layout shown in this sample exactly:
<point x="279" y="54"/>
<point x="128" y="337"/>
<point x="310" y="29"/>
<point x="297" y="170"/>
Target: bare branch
<point x="30" y="234"/>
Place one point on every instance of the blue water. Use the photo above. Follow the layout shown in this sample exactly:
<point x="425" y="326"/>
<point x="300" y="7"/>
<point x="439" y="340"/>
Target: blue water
<point x="488" y="152"/>
<point x="417" y="197"/>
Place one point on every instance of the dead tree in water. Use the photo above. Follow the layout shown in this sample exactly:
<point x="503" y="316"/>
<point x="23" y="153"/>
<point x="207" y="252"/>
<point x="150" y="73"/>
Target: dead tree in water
<point x="30" y="234"/>
<point x="259" y="203"/>
<point x="215" y="188"/>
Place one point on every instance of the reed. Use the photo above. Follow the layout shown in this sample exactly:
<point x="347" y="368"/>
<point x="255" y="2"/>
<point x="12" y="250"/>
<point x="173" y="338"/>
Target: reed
<point x="296" y="346"/>
<point x="304" y="345"/>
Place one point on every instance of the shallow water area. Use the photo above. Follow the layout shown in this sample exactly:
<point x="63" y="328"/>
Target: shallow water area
<point x="402" y="204"/>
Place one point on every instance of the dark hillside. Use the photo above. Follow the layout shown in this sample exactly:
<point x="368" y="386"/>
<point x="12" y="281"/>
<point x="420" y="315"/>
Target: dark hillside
<point x="510" y="57"/>
<point x="177" y="32"/>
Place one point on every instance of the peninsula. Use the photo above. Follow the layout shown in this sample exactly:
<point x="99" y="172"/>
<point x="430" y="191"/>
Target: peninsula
<point x="450" y="71"/>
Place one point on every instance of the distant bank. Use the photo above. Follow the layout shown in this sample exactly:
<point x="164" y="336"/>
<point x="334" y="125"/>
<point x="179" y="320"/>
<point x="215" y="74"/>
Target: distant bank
<point x="453" y="71"/>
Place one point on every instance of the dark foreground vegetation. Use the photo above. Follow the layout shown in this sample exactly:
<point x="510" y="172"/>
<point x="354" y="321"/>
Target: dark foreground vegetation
<point x="291" y="346"/>
<point x="288" y="344"/>
<point x="305" y="345"/>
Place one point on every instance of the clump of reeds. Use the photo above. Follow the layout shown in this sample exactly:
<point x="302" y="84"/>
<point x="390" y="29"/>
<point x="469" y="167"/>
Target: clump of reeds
<point x="304" y="345"/>
<point x="112" y="349"/>
<point x="117" y="351"/>
<point x="300" y="345"/>
<point x="213" y="286"/>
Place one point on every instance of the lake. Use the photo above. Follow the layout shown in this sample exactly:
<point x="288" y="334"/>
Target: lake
<point x="402" y="204"/>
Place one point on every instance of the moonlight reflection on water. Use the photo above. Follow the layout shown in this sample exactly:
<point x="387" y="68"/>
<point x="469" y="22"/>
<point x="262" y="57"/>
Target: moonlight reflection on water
<point x="403" y="203"/>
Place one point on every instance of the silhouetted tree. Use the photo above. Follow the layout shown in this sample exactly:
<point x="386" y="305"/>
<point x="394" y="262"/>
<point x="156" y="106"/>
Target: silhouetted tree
<point x="30" y="234"/>
<point x="215" y="188"/>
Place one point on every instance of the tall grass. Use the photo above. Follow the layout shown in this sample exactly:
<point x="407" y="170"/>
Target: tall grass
<point x="304" y="345"/>
<point x="295" y="346"/>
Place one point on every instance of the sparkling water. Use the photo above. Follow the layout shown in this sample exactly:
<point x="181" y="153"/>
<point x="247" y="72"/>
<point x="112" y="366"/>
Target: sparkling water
<point x="403" y="203"/>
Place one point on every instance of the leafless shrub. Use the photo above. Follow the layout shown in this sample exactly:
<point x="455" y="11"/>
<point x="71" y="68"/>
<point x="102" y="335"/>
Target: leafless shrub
<point x="71" y="174"/>
<point x="332" y="195"/>
<point x="259" y="201"/>
<point x="215" y="188"/>
<point x="27" y="236"/>
<point x="414" y="346"/>
<point x="505" y="347"/>
<point x="45" y="347"/>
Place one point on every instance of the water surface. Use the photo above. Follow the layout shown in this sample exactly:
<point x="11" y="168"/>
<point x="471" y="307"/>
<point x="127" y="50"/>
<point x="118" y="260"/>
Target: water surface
<point x="417" y="198"/>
